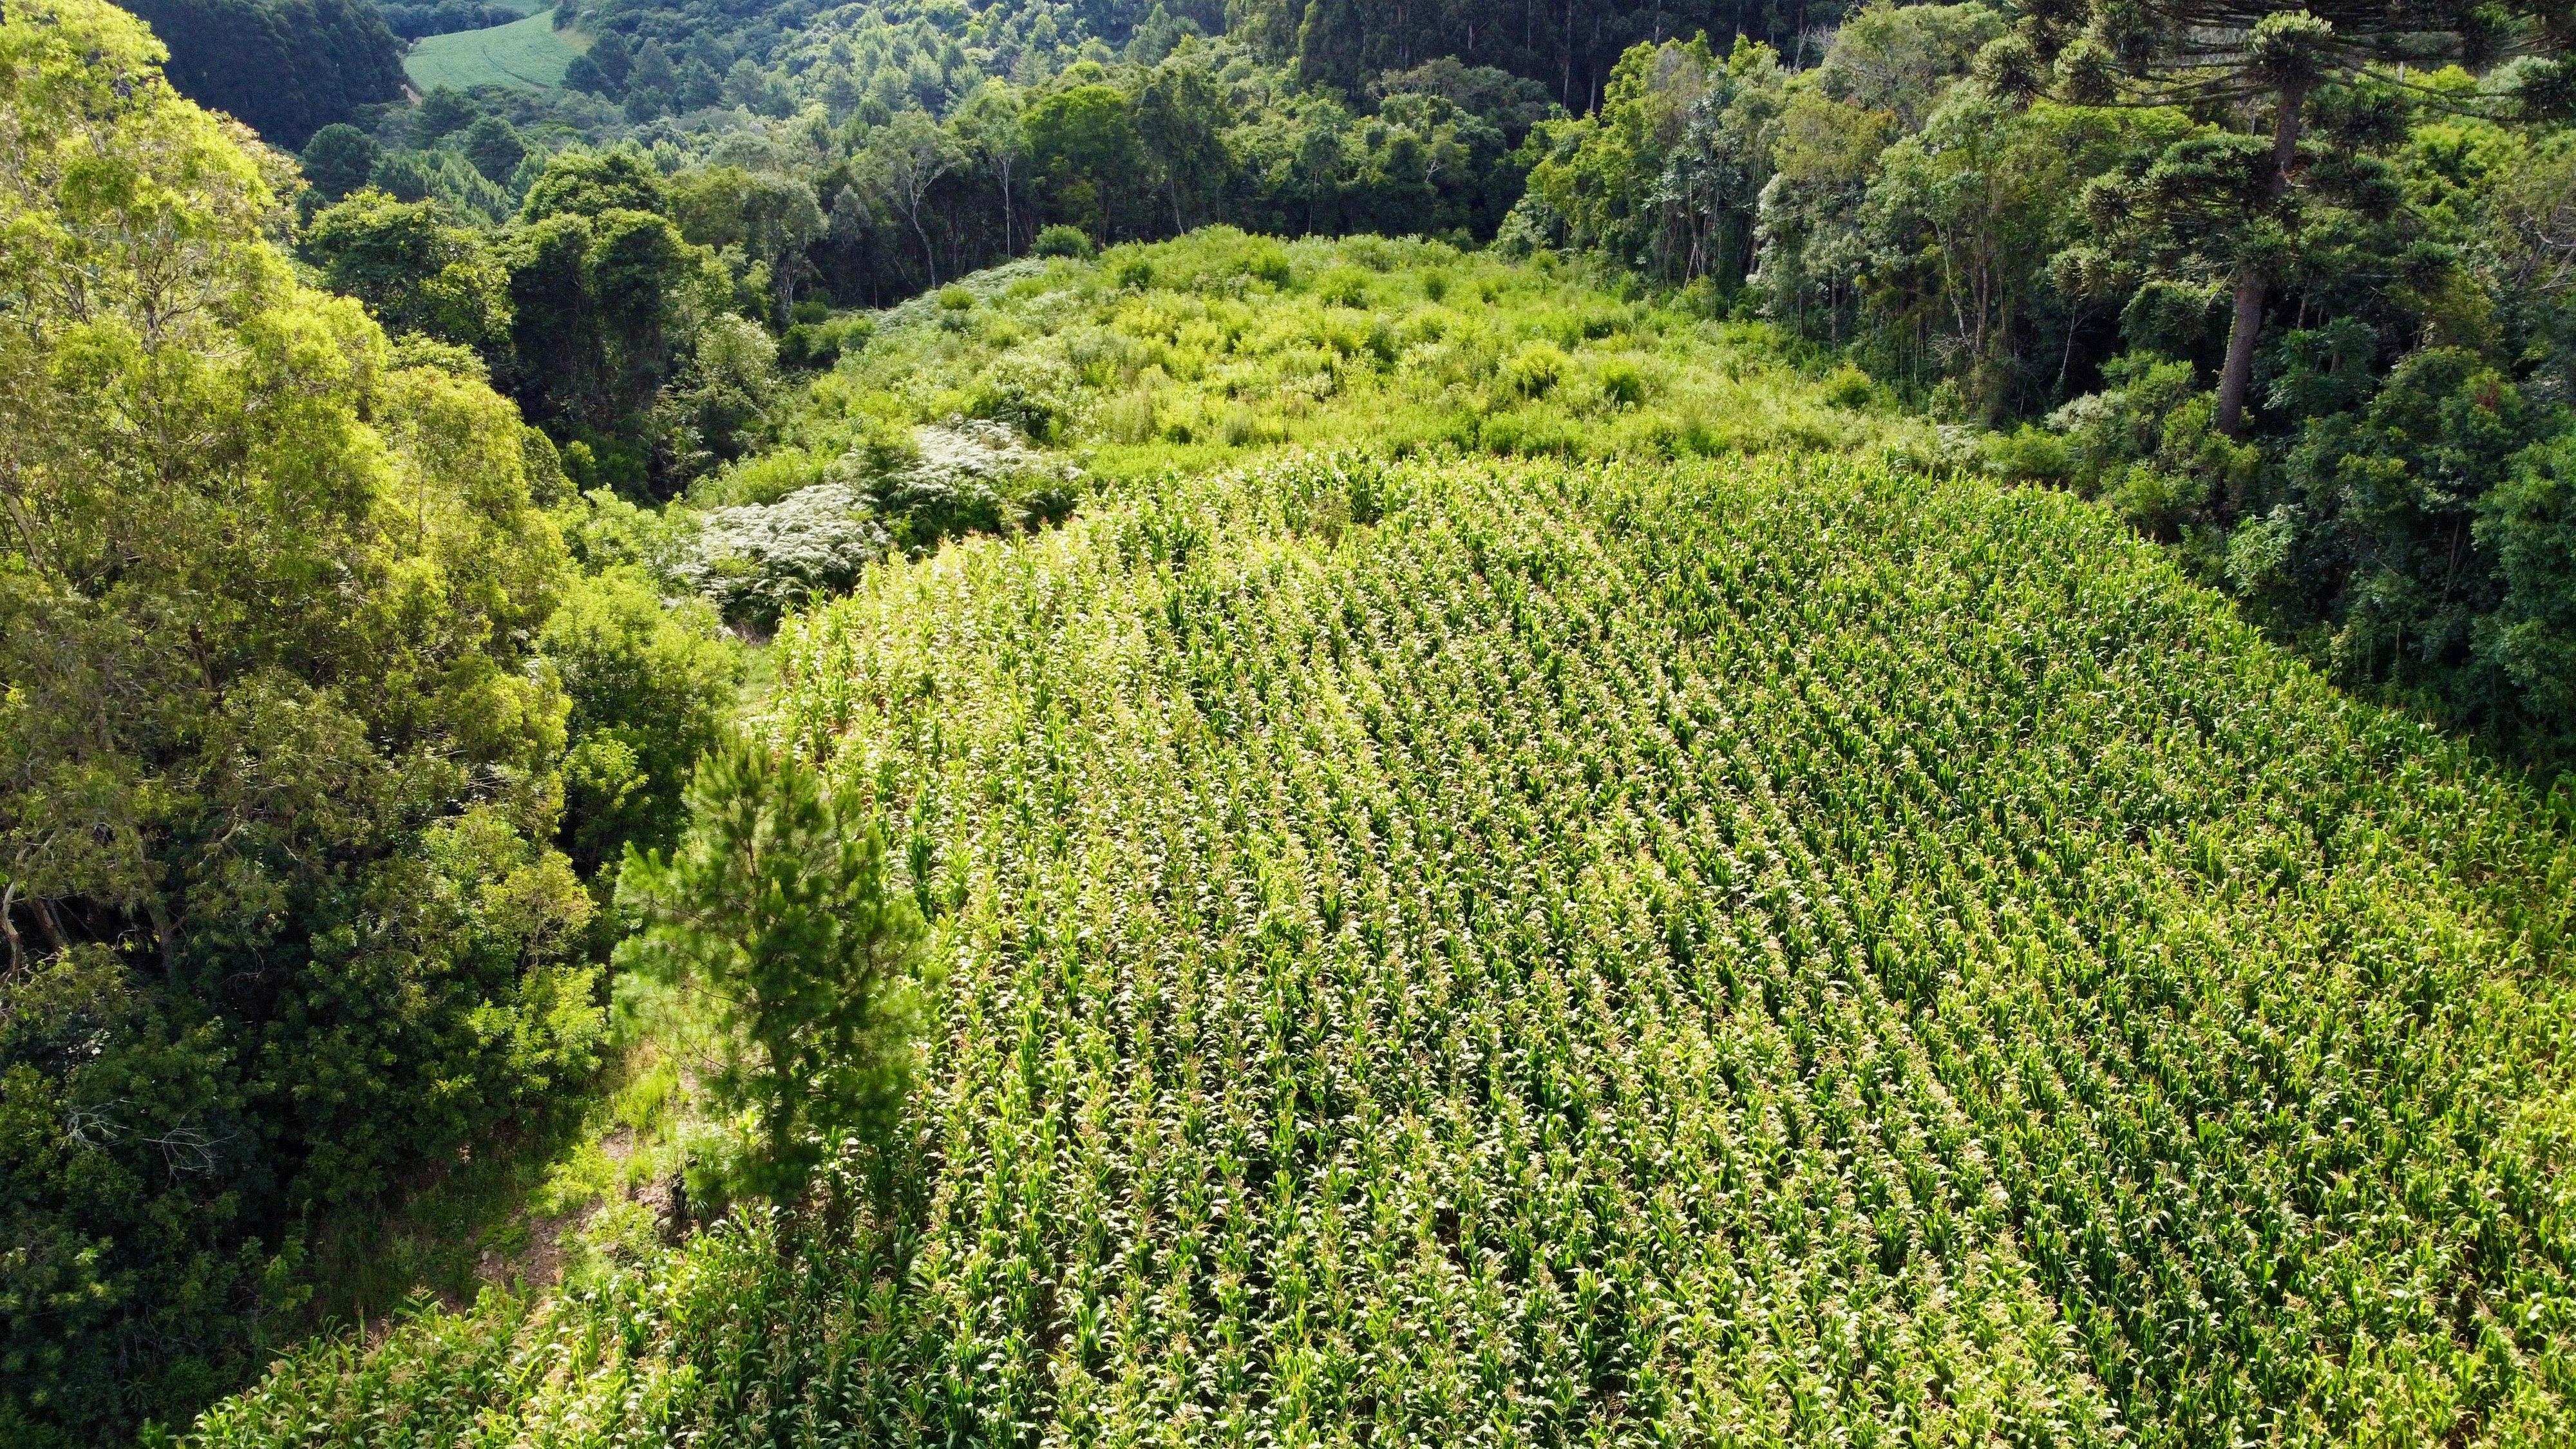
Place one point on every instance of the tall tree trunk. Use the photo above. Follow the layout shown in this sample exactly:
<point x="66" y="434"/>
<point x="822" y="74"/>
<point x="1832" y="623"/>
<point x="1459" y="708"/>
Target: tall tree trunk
<point x="1009" y="225"/>
<point x="929" y="253"/>
<point x="2237" y="378"/>
<point x="9" y="928"/>
<point x="2246" y="328"/>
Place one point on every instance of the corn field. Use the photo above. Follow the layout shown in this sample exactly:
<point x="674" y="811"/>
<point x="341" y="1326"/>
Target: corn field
<point x="1782" y="952"/>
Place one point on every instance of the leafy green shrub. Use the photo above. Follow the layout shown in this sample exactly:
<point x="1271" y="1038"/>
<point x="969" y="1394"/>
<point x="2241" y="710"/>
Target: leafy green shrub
<point x="1243" y="427"/>
<point x="651" y="686"/>
<point x="1849" y="387"/>
<point x="760" y="478"/>
<point x="819" y="342"/>
<point x="2149" y="445"/>
<point x="954" y="298"/>
<point x="1063" y="241"/>
<point x="1622" y="384"/>
<point x="1129" y="418"/>
<point x="1135" y="274"/>
<point x="896" y="490"/>
<point x="1032" y="392"/>
<point x="1532" y="433"/>
<point x="2028" y="455"/>
<point x="1267" y="262"/>
<point x="605" y="531"/>
<point x="1343" y="287"/>
<point x="1533" y="371"/>
<point x="757" y="561"/>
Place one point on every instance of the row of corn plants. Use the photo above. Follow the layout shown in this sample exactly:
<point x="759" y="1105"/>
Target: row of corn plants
<point x="1781" y="952"/>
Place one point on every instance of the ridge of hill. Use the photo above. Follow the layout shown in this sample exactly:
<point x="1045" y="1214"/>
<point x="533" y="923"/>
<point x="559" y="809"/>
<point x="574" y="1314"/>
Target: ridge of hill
<point x="1776" y="938"/>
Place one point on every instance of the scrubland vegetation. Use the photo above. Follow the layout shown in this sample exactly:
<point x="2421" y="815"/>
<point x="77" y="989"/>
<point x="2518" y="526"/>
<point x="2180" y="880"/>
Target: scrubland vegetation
<point x="1178" y="355"/>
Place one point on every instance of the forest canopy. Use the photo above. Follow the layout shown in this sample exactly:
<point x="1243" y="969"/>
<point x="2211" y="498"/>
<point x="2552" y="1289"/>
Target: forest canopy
<point x="2309" y="318"/>
<point x="282" y="750"/>
<point x="287" y="68"/>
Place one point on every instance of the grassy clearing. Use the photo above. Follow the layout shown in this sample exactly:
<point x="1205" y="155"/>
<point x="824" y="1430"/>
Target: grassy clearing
<point x="1200" y="352"/>
<point x="528" y="52"/>
<point x="1764" y="951"/>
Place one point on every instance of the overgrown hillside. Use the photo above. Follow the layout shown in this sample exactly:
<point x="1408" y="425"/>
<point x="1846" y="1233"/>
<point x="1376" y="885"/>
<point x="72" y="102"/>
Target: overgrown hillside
<point x="1743" y="952"/>
<point x="983" y="407"/>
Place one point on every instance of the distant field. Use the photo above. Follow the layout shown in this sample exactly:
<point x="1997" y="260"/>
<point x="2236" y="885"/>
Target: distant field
<point x="529" y="52"/>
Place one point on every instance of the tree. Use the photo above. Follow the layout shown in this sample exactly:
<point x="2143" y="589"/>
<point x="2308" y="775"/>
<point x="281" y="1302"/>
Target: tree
<point x="1330" y="41"/>
<point x="1667" y="176"/>
<point x="1182" y="117"/>
<point x="653" y="73"/>
<point x="1268" y="26"/>
<point x="2529" y="523"/>
<point x="606" y="294"/>
<point x="989" y="124"/>
<point x="1824" y="154"/>
<point x="339" y="159"/>
<point x="651" y="686"/>
<point x="493" y="145"/>
<point x="444" y="110"/>
<point x="416" y="270"/>
<point x="1900" y="58"/>
<point x="1963" y="221"/>
<point x="603" y="70"/>
<point x="277" y="776"/>
<point x="2232" y="56"/>
<point x="589" y="183"/>
<point x="771" y="218"/>
<point x="603" y="305"/>
<point x="717" y="408"/>
<point x="1510" y="104"/>
<point x="777" y="923"/>
<point x="1083" y="141"/>
<point x="905" y="158"/>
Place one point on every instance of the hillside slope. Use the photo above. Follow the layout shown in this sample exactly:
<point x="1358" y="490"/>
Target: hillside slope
<point x="1768" y="951"/>
<point x="529" y="51"/>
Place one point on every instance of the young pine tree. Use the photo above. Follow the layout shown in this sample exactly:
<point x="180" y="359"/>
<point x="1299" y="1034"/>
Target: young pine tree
<point x="774" y="928"/>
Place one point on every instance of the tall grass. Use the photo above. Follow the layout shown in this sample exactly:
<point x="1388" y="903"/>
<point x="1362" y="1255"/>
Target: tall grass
<point x="1192" y="353"/>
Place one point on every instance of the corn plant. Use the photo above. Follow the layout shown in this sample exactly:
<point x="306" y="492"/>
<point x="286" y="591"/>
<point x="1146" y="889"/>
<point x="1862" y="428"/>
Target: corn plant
<point x="1782" y="952"/>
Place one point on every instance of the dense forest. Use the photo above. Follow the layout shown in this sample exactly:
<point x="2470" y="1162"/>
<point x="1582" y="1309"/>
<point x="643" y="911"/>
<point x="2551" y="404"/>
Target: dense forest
<point x="401" y="794"/>
<point x="287" y="67"/>
<point x="2296" y="310"/>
